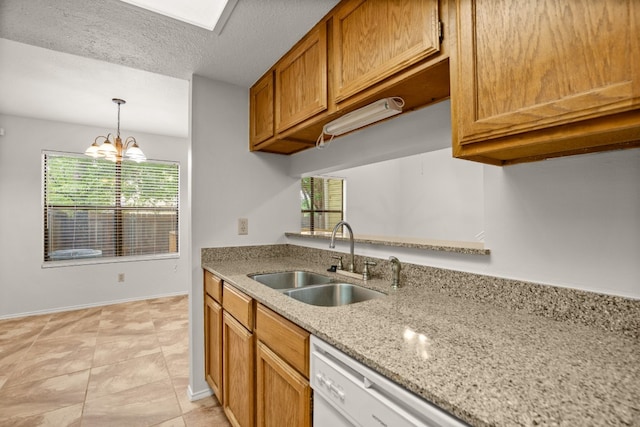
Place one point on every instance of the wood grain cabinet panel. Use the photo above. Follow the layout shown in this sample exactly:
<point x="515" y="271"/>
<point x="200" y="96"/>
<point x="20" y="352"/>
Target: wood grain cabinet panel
<point x="375" y="39"/>
<point x="283" y="395"/>
<point x="238" y="373"/>
<point x="286" y="338"/>
<point x="213" y="345"/>
<point x="213" y="286"/>
<point x="537" y="79"/>
<point x="301" y="80"/>
<point x="261" y="110"/>
<point x="239" y="305"/>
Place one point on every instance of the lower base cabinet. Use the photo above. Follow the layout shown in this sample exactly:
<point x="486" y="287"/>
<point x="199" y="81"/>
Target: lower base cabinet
<point x="238" y="372"/>
<point x="213" y="345"/>
<point x="283" y="392"/>
<point x="256" y="361"/>
<point x="283" y="395"/>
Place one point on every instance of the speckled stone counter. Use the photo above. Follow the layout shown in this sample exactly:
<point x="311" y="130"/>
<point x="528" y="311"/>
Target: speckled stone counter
<point x="488" y="364"/>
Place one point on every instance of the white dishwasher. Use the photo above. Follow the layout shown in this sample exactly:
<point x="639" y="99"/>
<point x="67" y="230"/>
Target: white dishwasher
<point x="347" y="394"/>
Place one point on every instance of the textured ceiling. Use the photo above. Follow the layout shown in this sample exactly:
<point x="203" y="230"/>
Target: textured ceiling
<point x="255" y="36"/>
<point x="62" y="76"/>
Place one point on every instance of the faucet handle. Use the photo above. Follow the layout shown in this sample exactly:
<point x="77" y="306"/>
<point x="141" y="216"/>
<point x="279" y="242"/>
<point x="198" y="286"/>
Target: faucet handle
<point x="365" y="270"/>
<point x="339" y="258"/>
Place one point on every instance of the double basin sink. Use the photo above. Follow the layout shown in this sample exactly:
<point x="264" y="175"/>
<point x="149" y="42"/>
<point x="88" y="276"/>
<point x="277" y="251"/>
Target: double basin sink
<point x="315" y="289"/>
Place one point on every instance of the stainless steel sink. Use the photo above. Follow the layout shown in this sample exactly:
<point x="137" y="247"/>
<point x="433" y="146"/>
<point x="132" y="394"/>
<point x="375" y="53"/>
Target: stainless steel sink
<point x="290" y="279"/>
<point x="333" y="294"/>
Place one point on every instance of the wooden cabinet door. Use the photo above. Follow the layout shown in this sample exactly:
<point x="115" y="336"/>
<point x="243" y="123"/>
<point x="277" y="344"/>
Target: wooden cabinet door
<point x="213" y="345"/>
<point x="261" y="110"/>
<point x="283" y="395"/>
<point x="238" y="373"/>
<point x="374" y="39"/>
<point x="301" y="80"/>
<point x="537" y="77"/>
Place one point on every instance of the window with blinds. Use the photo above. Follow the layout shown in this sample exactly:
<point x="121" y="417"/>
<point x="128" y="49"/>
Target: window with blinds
<point x="322" y="203"/>
<point x="103" y="209"/>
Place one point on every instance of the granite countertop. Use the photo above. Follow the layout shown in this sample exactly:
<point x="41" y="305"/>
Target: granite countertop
<point x="489" y="366"/>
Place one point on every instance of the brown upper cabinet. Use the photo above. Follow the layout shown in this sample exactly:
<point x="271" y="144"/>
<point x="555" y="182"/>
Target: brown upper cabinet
<point x="360" y="52"/>
<point x="532" y="80"/>
<point x="301" y="80"/>
<point x="261" y="110"/>
<point x="375" y="39"/>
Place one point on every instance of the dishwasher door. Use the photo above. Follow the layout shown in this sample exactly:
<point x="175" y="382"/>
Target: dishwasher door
<point x="347" y="393"/>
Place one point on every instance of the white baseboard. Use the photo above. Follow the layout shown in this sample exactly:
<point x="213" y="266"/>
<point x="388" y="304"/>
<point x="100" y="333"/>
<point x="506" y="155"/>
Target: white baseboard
<point x="82" y="306"/>
<point x="199" y="394"/>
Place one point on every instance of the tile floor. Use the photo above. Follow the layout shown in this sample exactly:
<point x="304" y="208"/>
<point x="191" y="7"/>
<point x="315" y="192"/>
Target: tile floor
<point x="117" y="365"/>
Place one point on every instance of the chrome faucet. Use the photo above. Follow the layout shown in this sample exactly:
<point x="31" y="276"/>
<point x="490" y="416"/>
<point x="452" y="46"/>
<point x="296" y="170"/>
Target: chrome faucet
<point x="395" y="270"/>
<point x="332" y="244"/>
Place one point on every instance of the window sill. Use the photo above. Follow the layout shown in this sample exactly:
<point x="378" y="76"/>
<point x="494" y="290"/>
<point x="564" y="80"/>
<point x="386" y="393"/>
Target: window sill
<point x="112" y="260"/>
<point x="469" y="248"/>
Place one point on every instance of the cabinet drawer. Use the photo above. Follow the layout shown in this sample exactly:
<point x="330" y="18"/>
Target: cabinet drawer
<point x="239" y="306"/>
<point x="286" y="339"/>
<point x="213" y="286"/>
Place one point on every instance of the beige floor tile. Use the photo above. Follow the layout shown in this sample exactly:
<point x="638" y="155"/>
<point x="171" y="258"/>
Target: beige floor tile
<point x="110" y="329"/>
<point x="68" y="416"/>
<point x="177" y="358"/>
<point x="139" y="308"/>
<point x="72" y="322"/>
<point x="146" y="405"/>
<point x="173" y="337"/>
<point x="139" y="373"/>
<point x="22" y="328"/>
<point x="54" y="356"/>
<point x="126" y="316"/>
<point x="38" y="397"/>
<point x="171" y="324"/>
<point x="114" y="349"/>
<point x="174" y="422"/>
<point x="126" y="375"/>
<point x="12" y="353"/>
<point x="169" y="307"/>
<point x="206" y="417"/>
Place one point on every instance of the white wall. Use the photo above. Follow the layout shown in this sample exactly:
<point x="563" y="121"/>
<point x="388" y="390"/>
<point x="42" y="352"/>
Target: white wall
<point x="229" y="182"/>
<point x="26" y="287"/>
<point x="572" y="221"/>
<point x="429" y="195"/>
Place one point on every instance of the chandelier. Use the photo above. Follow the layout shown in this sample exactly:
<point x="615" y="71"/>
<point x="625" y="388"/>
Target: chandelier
<point x="114" y="149"/>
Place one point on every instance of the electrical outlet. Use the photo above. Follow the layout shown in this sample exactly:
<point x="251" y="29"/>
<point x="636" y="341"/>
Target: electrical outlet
<point x="243" y="226"/>
<point x="120" y="277"/>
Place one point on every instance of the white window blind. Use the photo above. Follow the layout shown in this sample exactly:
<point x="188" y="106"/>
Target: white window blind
<point x="322" y="203"/>
<point x="103" y="209"/>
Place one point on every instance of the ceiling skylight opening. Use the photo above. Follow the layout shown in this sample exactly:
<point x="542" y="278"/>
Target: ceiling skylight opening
<point x="209" y="14"/>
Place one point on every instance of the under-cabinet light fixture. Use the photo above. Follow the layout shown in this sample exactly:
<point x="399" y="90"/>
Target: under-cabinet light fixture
<point x="374" y="112"/>
<point x="364" y="116"/>
<point x="113" y="148"/>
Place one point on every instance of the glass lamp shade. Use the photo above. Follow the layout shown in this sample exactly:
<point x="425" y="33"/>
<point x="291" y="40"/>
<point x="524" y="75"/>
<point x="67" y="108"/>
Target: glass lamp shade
<point x="135" y="153"/>
<point x="107" y="149"/>
<point x="93" y="150"/>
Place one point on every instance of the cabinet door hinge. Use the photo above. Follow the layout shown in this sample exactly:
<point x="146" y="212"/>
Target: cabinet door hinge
<point x="440" y="32"/>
